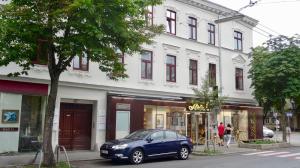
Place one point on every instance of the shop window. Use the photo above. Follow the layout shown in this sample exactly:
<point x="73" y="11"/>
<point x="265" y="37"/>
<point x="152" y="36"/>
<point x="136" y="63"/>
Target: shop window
<point x="30" y="123"/>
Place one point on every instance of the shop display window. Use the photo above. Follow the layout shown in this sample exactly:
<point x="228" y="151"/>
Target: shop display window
<point x="30" y="123"/>
<point x="164" y="117"/>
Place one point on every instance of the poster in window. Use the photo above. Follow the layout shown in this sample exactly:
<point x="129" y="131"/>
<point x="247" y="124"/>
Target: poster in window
<point x="10" y="116"/>
<point x="160" y="121"/>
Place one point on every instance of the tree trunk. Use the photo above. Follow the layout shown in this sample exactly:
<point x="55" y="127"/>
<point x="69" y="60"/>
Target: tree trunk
<point x="283" y="121"/>
<point x="49" y="159"/>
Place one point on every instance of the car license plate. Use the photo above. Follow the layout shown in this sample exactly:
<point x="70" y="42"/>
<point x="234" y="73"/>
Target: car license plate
<point x="104" y="151"/>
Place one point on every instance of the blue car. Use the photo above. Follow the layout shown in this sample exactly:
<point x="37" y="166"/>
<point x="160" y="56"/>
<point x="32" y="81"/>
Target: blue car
<point x="147" y="144"/>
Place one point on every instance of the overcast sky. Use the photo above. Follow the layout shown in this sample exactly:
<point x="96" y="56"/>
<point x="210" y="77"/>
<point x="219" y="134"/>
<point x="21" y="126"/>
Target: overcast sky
<point x="282" y="16"/>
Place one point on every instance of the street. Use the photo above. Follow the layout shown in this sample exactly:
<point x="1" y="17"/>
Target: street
<point x="285" y="157"/>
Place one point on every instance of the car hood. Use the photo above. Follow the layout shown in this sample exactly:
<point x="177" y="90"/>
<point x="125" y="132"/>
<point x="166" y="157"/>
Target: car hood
<point x="120" y="141"/>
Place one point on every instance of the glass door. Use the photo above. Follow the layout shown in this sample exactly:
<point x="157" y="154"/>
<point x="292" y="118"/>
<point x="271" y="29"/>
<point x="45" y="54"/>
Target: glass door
<point x="122" y="124"/>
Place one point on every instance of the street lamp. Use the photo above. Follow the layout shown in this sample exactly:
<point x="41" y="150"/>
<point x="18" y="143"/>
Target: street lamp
<point x="218" y="22"/>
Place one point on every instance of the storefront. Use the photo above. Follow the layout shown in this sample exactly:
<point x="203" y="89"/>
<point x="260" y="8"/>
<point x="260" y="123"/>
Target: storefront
<point x="22" y="108"/>
<point x="127" y="114"/>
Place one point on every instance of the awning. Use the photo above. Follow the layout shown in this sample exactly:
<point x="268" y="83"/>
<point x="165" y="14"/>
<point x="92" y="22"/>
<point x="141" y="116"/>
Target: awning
<point x="26" y="88"/>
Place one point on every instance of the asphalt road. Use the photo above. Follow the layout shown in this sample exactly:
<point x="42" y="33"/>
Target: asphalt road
<point x="281" y="158"/>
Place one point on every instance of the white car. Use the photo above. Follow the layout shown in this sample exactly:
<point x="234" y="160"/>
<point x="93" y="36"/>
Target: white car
<point x="267" y="132"/>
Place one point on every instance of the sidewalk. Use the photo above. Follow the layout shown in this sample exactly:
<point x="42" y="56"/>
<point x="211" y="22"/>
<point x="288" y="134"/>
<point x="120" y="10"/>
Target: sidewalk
<point x="27" y="158"/>
<point x="233" y="148"/>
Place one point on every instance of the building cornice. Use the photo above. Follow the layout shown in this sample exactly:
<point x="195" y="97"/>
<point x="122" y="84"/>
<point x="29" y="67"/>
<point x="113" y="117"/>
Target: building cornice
<point x="219" y="10"/>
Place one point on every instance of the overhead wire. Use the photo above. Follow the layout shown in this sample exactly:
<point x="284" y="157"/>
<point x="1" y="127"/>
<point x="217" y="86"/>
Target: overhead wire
<point x="277" y="2"/>
<point x="260" y="31"/>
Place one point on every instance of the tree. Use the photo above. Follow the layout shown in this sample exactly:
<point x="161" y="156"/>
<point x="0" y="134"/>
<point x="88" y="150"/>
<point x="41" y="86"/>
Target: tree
<point x="62" y="29"/>
<point x="211" y="101"/>
<point x="275" y="73"/>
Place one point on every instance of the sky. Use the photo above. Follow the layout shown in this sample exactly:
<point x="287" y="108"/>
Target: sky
<point x="281" y="16"/>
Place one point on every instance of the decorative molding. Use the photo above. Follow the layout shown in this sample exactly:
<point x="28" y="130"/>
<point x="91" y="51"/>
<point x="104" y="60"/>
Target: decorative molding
<point x="239" y="59"/>
<point x="212" y="58"/>
<point x="191" y="52"/>
<point x="79" y="73"/>
<point x="171" y="49"/>
<point x="218" y="9"/>
<point x="40" y="68"/>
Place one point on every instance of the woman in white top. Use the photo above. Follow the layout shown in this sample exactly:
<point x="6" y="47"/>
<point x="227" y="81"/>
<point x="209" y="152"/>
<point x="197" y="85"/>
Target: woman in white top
<point x="227" y="133"/>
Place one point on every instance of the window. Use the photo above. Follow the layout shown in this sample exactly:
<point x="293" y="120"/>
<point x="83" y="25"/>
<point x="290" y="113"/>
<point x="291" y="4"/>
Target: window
<point x="171" y="68"/>
<point x="81" y="62"/>
<point x="121" y="58"/>
<point x="171" y="135"/>
<point x="239" y="84"/>
<point x="149" y="15"/>
<point x="193" y="72"/>
<point x="193" y="28"/>
<point x="158" y="135"/>
<point x="42" y="51"/>
<point x="212" y="75"/>
<point x="146" y="62"/>
<point x="171" y="22"/>
<point x="211" y="34"/>
<point x="238" y="40"/>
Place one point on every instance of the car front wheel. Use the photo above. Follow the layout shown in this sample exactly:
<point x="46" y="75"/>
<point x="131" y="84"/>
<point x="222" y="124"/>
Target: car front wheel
<point x="137" y="156"/>
<point x="183" y="153"/>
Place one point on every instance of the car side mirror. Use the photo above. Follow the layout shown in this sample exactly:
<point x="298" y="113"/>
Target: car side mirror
<point x="149" y="139"/>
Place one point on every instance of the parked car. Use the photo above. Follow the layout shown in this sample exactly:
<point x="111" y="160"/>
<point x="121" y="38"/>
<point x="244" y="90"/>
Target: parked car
<point x="147" y="144"/>
<point x="268" y="132"/>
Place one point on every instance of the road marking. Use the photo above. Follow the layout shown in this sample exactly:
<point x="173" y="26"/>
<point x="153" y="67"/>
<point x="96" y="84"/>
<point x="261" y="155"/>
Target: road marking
<point x="256" y="153"/>
<point x="289" y="155"/>
<point x="276" y="153"/>
<point x="298" y="158"/>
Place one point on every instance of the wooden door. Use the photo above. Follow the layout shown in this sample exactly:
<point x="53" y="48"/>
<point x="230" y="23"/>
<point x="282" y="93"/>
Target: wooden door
<point x="75" y="126"/>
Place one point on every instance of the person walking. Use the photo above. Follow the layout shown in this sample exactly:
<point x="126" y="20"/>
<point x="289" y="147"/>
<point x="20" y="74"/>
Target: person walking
<point x="221" y="129"/>
<point x="228" y="131"/>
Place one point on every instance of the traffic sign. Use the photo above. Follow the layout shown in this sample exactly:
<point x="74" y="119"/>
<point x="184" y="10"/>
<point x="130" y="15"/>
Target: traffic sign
<point x="289" y="114"/>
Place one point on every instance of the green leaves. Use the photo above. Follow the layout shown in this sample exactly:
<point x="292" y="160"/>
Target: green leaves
<point x="207" y="95"/>
<point x="275" y="70"/>
<point x="73" y="27"/>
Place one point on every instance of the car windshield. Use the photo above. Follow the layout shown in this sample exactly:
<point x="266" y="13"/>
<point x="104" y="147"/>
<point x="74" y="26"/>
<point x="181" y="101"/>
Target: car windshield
<point x="141" y="134"/>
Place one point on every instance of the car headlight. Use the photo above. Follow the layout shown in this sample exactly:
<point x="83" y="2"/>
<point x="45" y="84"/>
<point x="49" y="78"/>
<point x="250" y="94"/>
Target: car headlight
<point x="116" y="147"/>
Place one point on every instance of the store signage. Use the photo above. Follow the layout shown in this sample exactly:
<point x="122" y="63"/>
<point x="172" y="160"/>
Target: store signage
<point x="9" y="129"/>
<point x="122" y="106"/>
<point x="198" y="107"/>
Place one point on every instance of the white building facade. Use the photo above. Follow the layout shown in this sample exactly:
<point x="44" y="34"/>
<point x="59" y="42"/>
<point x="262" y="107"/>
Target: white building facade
<point x="91" y="108"/>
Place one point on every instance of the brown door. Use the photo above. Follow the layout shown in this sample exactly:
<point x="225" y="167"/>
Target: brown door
<point x="75" y="126"/>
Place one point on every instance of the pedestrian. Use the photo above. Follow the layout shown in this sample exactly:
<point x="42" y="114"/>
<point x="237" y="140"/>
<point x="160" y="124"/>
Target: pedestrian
<point x="228" y="131"/>
<point x="221" y="129"/>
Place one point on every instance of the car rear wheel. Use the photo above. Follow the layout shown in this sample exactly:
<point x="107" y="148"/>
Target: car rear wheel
<point x="183" y="153"/>
<point x="137" y="156"/>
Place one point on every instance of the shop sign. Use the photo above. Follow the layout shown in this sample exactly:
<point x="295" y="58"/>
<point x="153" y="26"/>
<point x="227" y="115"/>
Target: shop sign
<point x="122" y="106"/>
<point x="9" y="129"/>
<point x="198" y="107"/>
